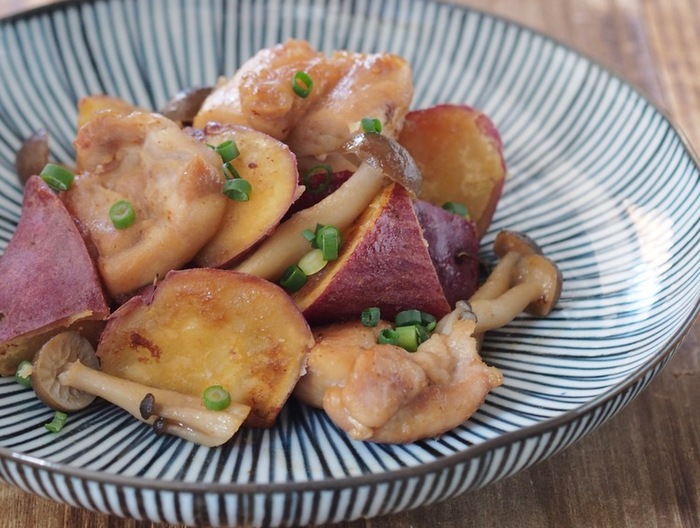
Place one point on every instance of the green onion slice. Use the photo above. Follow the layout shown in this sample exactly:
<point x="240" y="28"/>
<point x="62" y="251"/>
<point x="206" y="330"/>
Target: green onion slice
<point x="328" y="241"/>
<point x="216" y="398"/>
<point x="302" y="84"/>
<point x="23" y="374"/>
<point x="293" y="279"/>
<point x="371" y="125"/>
<point x="456" y="208"/>
<point x="407" y="318"/>
<point x="57" y="422"/>
<point x="57" y="177"/>
<point x="314" y="171"/>
<point x="370" y="316"/>
<point x="310" y="235"/>
<point x="408" y="337"/>
<point x="230" y="172"/>
<point x="312" y="262"/>
<point x="122" y="214"/>
<point x="428" y="321"/>
<point x="388" y="337"/>
<point x="423" y="333"/>
<point x="228" y="150"/>
<point x="237" y="189"/>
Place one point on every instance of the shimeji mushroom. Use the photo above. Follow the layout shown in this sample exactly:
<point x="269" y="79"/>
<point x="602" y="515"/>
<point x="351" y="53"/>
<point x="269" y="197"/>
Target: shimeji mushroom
<point x="65" y="377"/>
<point x="523" y="280"/>
<point x="380" y="157"/>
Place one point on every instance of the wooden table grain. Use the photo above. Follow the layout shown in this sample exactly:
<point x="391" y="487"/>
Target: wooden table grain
<point x="642" y="468"/>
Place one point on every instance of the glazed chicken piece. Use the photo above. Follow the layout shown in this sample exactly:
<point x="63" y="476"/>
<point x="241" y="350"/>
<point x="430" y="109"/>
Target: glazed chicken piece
<point x="172" y="181"/>
<point x="260" y="94"/>
<point x="377" y="86"/>
<point x="346" y="88"/>
<point x="383" y="393"/>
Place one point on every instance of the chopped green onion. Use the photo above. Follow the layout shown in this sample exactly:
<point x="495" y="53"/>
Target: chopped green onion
<point x="328" y="241"/>
<point x="122" y="214"/>
<point x="428" y="321"/>
<point x="23" y="374"/>
<point x="456" y="208"/>
<point x="57" y="423"/>
<point x="408" y="337"/>
<point x="313" y="171"/>
<point x="371" y="125"/>
<point x="302" y="84"/>
<point x="228" y="150"/>
<point x="407" y="318"/>
<point x="216" y="398"/>
<point x="293" y="279"/>
<point x="312" y="262"/>
<point x="388" y="337"/>
<point x="57" y="177"/>
<point x="230" y="172"/>
<point x="310" y="235"/>
<point x="423" y="333"/>
<point x="370" y="316"/>
<point x="237" y="189"/>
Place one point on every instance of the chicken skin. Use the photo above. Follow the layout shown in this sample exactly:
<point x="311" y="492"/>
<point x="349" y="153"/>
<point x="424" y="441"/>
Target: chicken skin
<point x="383" y="393"/>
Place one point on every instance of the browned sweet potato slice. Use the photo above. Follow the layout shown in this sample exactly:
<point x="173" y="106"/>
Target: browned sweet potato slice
<point x="460" y="155"/>
<point x="204" y="327"/>
<point x="49" y="282"/>
<point x="383" y="262"/>
<point x="270" y="168"/>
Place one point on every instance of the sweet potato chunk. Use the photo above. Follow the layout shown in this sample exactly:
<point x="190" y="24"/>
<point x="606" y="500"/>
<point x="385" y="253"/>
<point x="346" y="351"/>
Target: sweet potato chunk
<point x="204" y="327"/>
<point x="383" y="262"/>
<point x="270" y="167"/>
<point x="453" y="245"/>
<point x="49" y="282"/>
<point x="172" y="181"/>
<point x="460" y="154"/>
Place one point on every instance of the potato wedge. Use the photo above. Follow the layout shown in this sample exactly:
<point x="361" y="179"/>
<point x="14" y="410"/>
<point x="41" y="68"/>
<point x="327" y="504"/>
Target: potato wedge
<point x="204" y="327"/>
<point x="270" y="167"/>
<point x="49" y="282"/>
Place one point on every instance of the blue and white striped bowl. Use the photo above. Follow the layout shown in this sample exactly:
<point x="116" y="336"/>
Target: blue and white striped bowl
<point x="597" y="176"/>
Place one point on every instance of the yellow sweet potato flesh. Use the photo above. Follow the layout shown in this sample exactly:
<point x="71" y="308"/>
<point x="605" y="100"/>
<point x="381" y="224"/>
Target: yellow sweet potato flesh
<point x="460" y="155"/>
<point x="204" y="327"/>
<point x="270" y="168"/>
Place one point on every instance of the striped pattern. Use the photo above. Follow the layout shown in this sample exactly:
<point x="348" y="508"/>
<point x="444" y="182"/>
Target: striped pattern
<point x="597" y="176"/>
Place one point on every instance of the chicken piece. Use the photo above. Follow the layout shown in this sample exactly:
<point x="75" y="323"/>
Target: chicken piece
<point x="384" y="394"/>
<point x="346" y="88"/>
<point x="260" y="93"/>
<point x="172" y="181"/>
<point x="377" y="86"/>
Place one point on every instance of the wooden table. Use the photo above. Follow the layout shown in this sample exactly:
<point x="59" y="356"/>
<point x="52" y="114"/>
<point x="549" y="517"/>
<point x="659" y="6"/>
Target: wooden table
<point x="641" y="469"/>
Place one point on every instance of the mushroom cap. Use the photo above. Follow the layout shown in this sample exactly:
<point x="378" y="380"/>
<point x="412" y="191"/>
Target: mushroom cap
<point x="387" y="155"/>
<point x="53" y="358"/>
<point x="542" y="271"/>
<point x="522" y="244"/>
<point x="185" y="104"/>
<point x="32" y="155"/>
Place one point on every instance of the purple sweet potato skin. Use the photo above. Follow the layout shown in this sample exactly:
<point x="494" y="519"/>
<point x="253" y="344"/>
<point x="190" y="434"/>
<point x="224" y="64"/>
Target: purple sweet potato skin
<point x="453" y="244"/>
<point x="389" y="268"/>
<point x="47" y="274"/>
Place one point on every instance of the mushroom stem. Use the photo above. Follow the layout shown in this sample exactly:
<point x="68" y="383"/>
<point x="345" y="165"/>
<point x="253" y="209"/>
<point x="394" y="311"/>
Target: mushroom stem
<point x="286" y="245"/>
<point x="499" y="280"/>
<point x="523" y="280"/>
<point x="496" y="312"/>
<point x="185" y="416"/>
